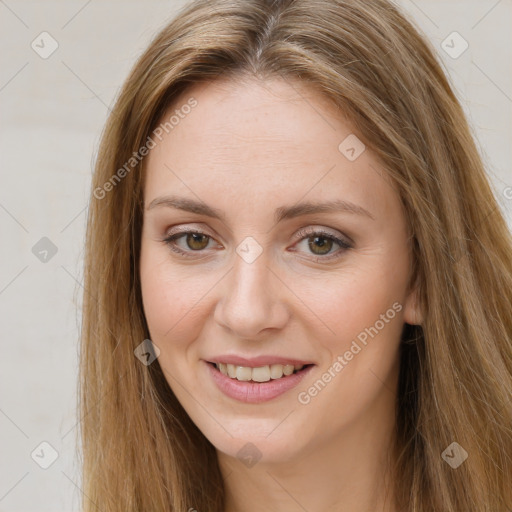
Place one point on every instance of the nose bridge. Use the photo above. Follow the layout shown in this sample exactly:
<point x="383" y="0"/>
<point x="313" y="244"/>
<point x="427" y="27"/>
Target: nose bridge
<point x="251" y="270"/>
<point x="250" y="303"/>
<point x="252" y="278"/>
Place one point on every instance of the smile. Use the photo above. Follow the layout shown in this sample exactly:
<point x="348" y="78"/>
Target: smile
<point x="255" y="384"/>
<point x="259" y="374"/>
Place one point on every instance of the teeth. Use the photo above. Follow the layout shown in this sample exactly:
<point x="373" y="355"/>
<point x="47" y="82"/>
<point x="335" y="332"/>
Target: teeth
<point x="259" y="374"/>
<point x="288" y="369"/>
<point x="232" y="371"/>
<point x="276" y="371"/>
<point x="243" y="373"/>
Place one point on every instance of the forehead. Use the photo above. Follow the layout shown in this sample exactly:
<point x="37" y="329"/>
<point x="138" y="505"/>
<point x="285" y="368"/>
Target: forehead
<point x="264" y="116"/>
<point x="270" y="139"/>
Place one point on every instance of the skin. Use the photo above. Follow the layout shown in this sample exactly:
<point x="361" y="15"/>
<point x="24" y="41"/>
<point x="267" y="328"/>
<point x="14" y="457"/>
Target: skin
<point x="247" y="148"/>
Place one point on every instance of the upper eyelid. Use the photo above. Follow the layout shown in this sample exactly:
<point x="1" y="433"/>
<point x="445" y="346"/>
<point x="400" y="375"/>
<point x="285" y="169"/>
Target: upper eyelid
<point x="342" y="240"/>
<point x="310" y="230"/>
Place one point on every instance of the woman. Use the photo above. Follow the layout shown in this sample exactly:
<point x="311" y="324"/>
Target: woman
<point x="298" y="278"/>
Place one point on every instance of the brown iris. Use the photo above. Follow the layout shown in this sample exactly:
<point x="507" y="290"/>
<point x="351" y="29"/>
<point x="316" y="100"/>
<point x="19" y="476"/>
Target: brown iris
<point x="197" y="241"/>
<point x="325" y="244"/>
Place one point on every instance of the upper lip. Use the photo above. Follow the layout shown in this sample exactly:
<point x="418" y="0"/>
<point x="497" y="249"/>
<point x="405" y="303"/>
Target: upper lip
<point x="255" y="362"/>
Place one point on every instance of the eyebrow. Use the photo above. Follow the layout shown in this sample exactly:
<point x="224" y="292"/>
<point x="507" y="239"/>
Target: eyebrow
<point x="280" y="214"/>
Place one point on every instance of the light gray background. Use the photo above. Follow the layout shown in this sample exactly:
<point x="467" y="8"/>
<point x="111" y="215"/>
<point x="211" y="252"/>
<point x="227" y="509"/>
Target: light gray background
<point x="52" y="114"/>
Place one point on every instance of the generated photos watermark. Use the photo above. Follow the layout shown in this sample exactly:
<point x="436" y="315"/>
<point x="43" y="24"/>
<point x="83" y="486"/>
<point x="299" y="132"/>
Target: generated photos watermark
<point x="305" y="397"/>
<point x="136" y="158"/>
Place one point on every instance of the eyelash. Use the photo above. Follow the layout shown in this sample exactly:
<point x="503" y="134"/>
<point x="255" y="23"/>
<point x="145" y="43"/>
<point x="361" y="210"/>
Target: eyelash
<point x="303" y="233"/>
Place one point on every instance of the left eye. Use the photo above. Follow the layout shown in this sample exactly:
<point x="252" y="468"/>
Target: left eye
<point x="320" y="243"/>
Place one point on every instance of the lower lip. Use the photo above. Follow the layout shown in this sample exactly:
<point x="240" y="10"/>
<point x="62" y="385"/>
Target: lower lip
<point x="255" y="392"/>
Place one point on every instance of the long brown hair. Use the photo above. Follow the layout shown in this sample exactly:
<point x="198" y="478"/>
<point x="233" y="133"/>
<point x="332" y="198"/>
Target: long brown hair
<point x="141" y="451"/>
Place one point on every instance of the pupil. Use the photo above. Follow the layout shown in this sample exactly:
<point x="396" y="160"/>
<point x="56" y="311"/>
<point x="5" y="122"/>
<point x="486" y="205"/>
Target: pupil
<point x="197" y="238"/>
<point x="325" y="245"/>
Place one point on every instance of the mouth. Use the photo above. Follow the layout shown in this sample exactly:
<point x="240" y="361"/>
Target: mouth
<point x="259" y="374"/>
<point x="256" y="384"/>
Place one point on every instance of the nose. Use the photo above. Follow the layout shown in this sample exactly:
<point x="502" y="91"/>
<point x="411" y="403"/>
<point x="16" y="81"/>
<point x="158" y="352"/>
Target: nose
<point x="253" y="299"/>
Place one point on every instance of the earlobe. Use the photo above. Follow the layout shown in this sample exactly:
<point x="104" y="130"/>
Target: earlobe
<point x="413" y="314"/>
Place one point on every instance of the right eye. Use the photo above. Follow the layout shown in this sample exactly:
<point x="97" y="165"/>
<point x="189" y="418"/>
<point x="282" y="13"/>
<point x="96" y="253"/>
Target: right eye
<point x="195" y="241"/>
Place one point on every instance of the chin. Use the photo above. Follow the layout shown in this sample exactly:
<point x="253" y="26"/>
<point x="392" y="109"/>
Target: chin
<point x="256" y="440"/>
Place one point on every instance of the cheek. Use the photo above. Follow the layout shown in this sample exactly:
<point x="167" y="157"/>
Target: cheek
<point x="173" y="298"/>
<point x="355" y="301"/>
<point x="359" y="355"/>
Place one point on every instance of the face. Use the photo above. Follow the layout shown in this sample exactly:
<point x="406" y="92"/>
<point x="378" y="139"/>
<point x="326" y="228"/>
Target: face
<point x="241" y="267"/>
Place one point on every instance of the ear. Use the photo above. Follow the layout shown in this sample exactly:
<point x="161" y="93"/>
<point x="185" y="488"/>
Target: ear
<point x="413" y="314"/>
